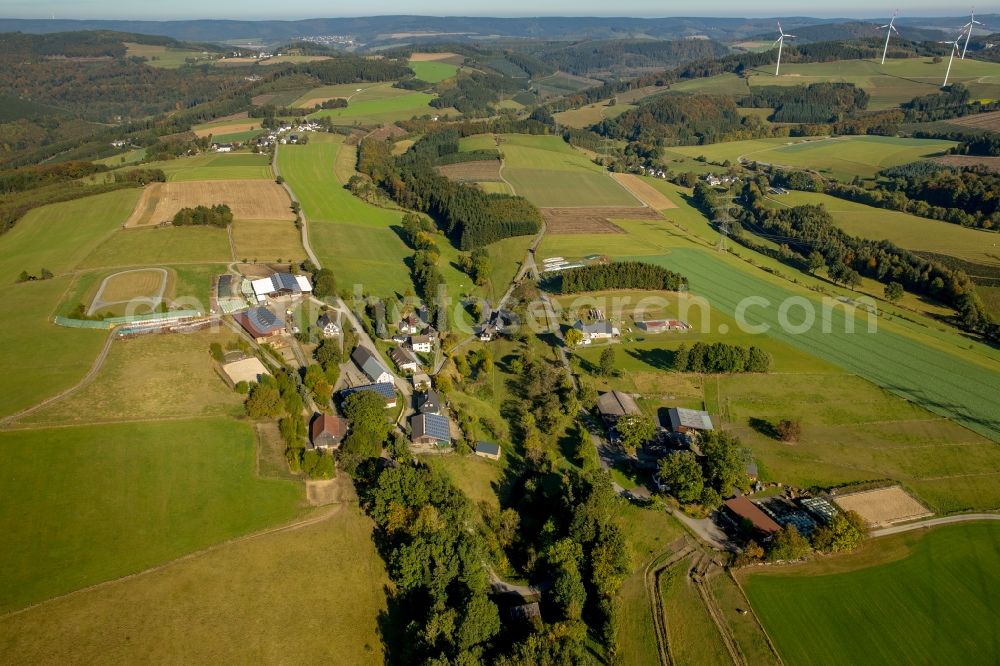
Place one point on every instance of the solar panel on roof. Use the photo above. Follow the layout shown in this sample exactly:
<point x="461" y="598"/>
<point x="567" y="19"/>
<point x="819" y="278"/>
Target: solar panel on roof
<point x="437" y="426"/>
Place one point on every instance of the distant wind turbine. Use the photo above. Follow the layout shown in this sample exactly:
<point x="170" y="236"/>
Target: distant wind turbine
<point x="951" y="59"/>
<point x="969" y="26"/>
<point x="889" y="29"/>
<point x="780" y="41"/>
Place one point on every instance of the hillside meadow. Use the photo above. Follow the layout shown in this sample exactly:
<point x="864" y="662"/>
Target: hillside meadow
<point x="121" y="507"/>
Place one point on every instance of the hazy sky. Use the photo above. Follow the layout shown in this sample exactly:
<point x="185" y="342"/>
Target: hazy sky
<point x="258" y="9"/>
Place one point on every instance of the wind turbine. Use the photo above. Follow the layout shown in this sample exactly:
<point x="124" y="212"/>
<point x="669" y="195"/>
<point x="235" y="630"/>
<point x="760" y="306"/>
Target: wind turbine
<point x="780" y="41"/>
<point x="951" y="59"/>
<point x="969" y="26"/>
<point x="889" y="29"/>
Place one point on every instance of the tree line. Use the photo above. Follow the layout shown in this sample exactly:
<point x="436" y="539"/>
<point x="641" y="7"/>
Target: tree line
<point x="814" y="239"/>
<point x="720" y="357"/>
<point x="219" y="215"/>
<point x="472" y="217"/>
<point x="621" y="275"/>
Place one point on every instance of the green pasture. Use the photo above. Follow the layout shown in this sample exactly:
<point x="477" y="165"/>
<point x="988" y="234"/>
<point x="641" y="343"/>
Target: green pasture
<point x="122" y="159"/>
<point x="39" y="358"/>
<point x="838" y="157"/>
<point x="60" y="236"/>
<point x="163" y="57"/>
<point x="905" y="230"/>
<point x="119" y="498"/>
<point x="920" y="597"/>
<point x="216" y="166"/>
<point x="720" y="84"/>
<point x="523" y="151"/>
<point x="267" y="240"/>
<point x="691" y="633"/>
<point x="379" y="111"/>
<point x="591" y="114"/>
<point x="433" y="71"/>
<point x="159" y="246"/>
<point x="477" y="142"/>
<point x="354" y="239"/>
<point x="353" y="91"/>
<point x="236" y="136"/>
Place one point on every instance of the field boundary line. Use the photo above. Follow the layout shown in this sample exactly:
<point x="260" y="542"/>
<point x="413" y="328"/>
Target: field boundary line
<point x="934" y="522"/>
<point x="305" y="522"/>
<point x="698" y="578"/>
<point x="664" y="560"/>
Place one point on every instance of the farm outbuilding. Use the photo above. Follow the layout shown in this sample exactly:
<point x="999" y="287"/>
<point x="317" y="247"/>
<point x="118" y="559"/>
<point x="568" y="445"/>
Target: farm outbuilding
<point x="683" y="420"/>
<point x="371" y="366"/>
<point x="260" y="323"/>
<point x="743" y="509"/>
<point x="280" y="284"/>
<point x="430" y="430"/>
<point x="489" y="450"/>
<point x="327" y="432"/>
<point x="404" y="359"/>
<point x="614" y="404"/>
<point x="384" y="389"/>
<point x="662" y="325"/>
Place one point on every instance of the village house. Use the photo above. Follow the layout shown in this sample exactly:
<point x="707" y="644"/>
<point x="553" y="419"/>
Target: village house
<point x="597" y="330"/>
<point x="429" y="402"/>
<point x="682" y="420"/>
<point x="489" y="450"/>
<point x="404" y="359"/>
<point x="422" y="343"/>
<point x="328" y="325"/>
<point x="410" y="325"/>
<point x="430" y="430"/>
<point x="384" y="389"/>
<point x="371" y="366"/>
<point x="327" y="432"/>
<point x="222" y="147"/>
<point x="260" y="323"/>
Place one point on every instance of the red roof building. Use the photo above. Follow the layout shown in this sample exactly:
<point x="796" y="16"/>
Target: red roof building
<point x="744" y="509"/>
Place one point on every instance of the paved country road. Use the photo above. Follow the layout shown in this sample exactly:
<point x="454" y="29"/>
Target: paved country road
<point x="934" y="522"/>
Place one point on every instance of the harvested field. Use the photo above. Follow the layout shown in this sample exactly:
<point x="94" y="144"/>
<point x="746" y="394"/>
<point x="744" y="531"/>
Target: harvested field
<point x="592" y="220"/>
<point x="230" y="128"/>
<point x="467" y="172"/>
<point x="985" y="121"/>
<point x="992" y="163"/>
<point x="249" y="200"/>
<point x="644" y="191"/>
<point x="883" y="506"/>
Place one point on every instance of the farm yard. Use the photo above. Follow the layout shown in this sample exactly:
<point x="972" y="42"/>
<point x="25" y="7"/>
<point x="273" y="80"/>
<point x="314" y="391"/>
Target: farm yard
<point x="839" y="157"/>
<point x="923" y="596"/>
<point x="118" y="491"/>
<point x="249" y="200"/>
<point x="905" y="230"/>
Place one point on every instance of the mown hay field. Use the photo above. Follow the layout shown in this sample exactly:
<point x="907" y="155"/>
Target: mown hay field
<point x="186" y="487"/>
<point x="378" y="111"/>
<point x="248" y="199"/>
<point x="161" y="246"/>
<point x="216" y="166"/>
<point x="432" y="71"/>
<point x="267" y="240"/>
<point x="919" y="597"/>
<point x="144" y="283"/>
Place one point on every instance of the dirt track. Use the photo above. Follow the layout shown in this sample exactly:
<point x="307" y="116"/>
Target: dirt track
<point x="643" y="191"/>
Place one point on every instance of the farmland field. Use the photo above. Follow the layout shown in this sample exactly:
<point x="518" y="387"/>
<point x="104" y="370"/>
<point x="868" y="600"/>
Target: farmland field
<point x="150" y="377"/>
<point x="162" y="56"/>
<point x="161" y="246"/>
<point x="920" y="597"/>
<point x="432" y="71"/>
<point x="267" y="240"/>
<point x="248" y="199"/>
<point x="231" y="603"/>
<point x="218" y="129"/>
<point x="377" y="111"/>
<point x="691" y="633"/>
<point x="591" y="114"/>
<point x="350" y="91"/>
<point x="188" y="484"/>
<point x="550" y="173"/>
<point x="215" y="166"/>
<point x="338" y="220"/>
<point x="840" y="157"/>
<point x="143" y="283"/>
<point x="479" y="171"/>
<point x="905" y="230"/>
<point x="889" y="85"/>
